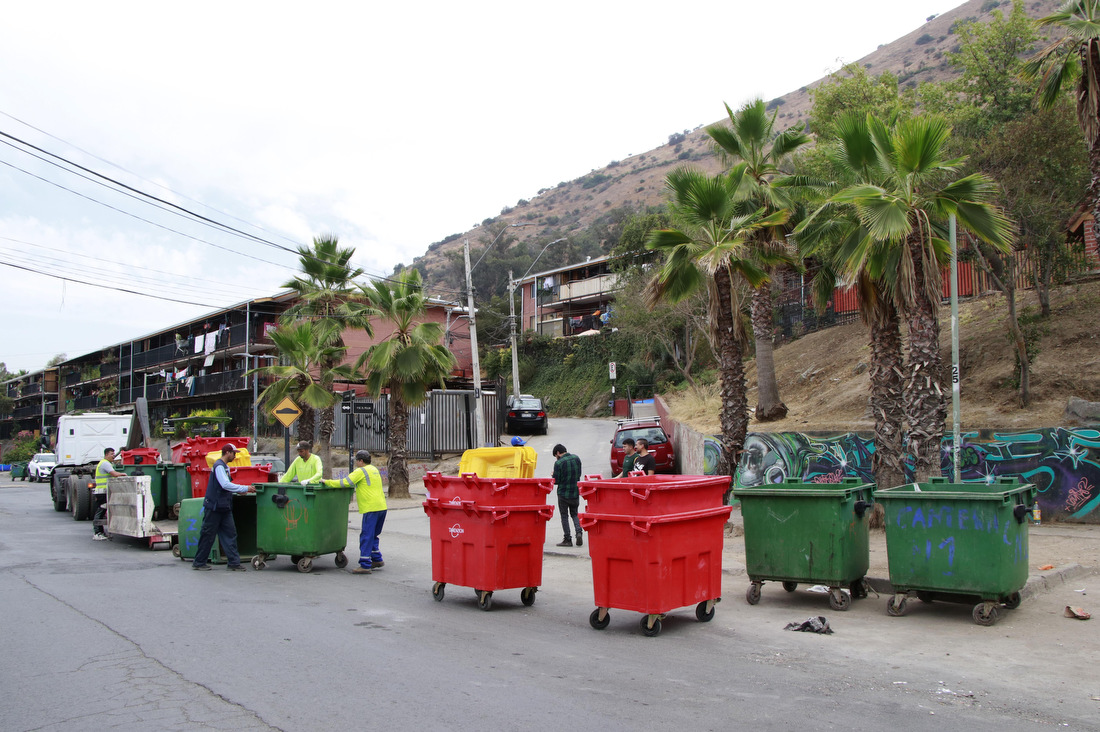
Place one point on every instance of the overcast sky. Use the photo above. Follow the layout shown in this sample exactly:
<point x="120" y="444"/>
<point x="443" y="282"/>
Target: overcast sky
<point x="391" y="127"/>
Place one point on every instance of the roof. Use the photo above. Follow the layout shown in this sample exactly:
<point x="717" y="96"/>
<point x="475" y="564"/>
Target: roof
<point x="566" y="268"/>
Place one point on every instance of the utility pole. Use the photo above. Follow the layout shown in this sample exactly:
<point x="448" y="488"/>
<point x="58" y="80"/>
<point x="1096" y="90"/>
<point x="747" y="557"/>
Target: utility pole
<point x="956" y="442"/>
<point x="478" y="426"/>
<point x="512" y="320"/>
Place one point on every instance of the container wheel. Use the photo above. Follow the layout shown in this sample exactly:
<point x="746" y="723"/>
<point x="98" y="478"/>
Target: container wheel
<point x="341" y="560"/>
<point x="704" y="611"/>
<point x="485" y="600"/>
<point x="438" y="589"/>
<point x="986" y="613"/>
<point x="176" y="552"/>
<point x="839" y="599"/>
<point x="752" y="595"/>
<point x="859" y="589"/>
<point x="896" y="607"/>
<point x="926" y="597"/>
<point x="175" y="512"/>
<point x="258" y="562"/>
<point x="651" y="625"/>
<point x="527" y="595"/>
<point x="1013" y="601"/>
<point x="305" y="564"/>
<point x="295" y="558"/>
<point x="595" y="621"/>
<point x="790" y="586"/>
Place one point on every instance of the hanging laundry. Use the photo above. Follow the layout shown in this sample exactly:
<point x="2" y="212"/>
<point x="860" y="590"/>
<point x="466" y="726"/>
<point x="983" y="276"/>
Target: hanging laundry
<point x="211" y="343"/>
<point x="198" y="344"/>
<point x="209" y="360"/>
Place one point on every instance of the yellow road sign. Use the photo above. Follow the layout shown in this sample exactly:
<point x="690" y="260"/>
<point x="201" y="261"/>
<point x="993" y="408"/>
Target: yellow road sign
<point x="287" y="412"/>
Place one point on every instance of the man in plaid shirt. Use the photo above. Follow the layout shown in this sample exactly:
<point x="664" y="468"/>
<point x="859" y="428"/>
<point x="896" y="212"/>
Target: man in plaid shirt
<point x="567" y="471"/>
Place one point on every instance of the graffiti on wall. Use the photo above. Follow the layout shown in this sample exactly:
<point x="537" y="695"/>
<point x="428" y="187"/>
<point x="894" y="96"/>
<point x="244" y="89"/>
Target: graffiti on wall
<point x="1063" y="464"/>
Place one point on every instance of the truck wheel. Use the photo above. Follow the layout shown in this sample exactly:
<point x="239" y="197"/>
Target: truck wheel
<point x="82" y="498"/>
<point x="58" y="494"/>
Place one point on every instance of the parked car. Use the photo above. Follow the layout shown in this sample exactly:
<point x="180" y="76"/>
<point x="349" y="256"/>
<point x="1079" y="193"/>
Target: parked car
<point x="527" y="414"/>
<point x="649" y="429"/>
<point x="40" y="466"/>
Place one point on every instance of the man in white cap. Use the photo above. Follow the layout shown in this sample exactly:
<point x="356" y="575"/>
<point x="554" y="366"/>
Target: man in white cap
<point x="217" y="514"/>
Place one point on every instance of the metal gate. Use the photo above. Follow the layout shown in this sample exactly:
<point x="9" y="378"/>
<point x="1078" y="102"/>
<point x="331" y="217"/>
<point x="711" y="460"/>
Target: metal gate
<point x="444" y="423"/>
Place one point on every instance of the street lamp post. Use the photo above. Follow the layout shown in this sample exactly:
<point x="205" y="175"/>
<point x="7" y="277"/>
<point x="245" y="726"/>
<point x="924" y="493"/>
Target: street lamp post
<point x="512" y="316"/>
<point x="479" y="426"/>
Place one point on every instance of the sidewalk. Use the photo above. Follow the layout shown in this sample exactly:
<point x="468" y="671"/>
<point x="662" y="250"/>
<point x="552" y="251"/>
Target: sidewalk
<point x="1071" y="550"/>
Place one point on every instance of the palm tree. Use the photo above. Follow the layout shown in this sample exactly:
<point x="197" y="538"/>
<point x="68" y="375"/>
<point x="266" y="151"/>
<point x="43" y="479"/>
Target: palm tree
<point x="900" y="248"/>
<point x="406" y="363"/>
<point x="711" y="249"/>
<point x="1075" y="58"/>
<point x="750" y="138"/>
<point x="325" y="292"/>
<point x="304" y="347"/>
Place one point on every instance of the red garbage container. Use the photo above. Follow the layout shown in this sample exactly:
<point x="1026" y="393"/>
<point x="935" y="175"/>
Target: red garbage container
<point x="653" y="495"/>
<point x="239" y="474"/>
<point x="488" y="491"/>
<point x="487" y="548"/>
<point x="140" y="456"/>
<point x="653" y="564"/>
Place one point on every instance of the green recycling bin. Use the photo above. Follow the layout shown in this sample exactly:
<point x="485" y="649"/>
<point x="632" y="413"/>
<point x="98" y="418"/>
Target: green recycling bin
<point x="177" y="484"/>
<point x="807" y="533"/>
<point x="958" y="542"/>
<point x="19" y="470"/>
<point x="190" y="526"/>
<point x="304" y="521"/>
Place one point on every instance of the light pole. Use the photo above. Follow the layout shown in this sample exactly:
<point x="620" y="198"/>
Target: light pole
<point x="479" y="426"/>
<point x="512" y="316"/>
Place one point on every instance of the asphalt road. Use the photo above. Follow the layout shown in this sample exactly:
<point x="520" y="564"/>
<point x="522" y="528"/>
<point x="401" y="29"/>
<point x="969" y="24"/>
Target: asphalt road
<point x="111" y="635"/>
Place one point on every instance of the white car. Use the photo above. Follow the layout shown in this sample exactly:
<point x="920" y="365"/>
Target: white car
<point x="40" y="466"/>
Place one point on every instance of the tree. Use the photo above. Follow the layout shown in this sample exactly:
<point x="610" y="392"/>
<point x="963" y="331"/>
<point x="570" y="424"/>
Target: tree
<point x="903" y="246"/>
<point x="304" y="347"/>
<point x="59" y="358"/>
<point x="711" y="249"/>
<point x="325" y="293"/>
<point x="406" y="363"/>
<point x="749" y="138"/>
<point x="1075" y="58"/>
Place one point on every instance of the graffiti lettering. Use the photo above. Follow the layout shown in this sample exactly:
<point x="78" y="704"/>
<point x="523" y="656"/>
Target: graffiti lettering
<point x="1079" y="495"/>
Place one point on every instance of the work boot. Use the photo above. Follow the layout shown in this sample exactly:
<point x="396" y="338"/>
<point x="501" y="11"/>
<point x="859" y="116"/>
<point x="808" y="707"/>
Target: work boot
<point x="377" y="564"/>
<point x="237" y="568"/>
<point x="567" y="541"/>
<point x="202" y="567"/>
<point x="99" y="537"/>
<point x="362" y="570"/>
<point x="580" y="539"/>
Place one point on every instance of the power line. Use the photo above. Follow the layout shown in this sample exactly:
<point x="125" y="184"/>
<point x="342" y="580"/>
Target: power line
<point x="110" y="287"/>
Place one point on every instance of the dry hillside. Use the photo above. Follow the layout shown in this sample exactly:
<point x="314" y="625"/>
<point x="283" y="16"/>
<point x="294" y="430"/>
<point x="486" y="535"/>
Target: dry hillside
<point x="823" y="379"/>
<point x="638" y="180"/>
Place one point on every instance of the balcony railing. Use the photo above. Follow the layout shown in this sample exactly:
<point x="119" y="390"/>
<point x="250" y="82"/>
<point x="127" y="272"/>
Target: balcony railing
<point x="588" y="287"/>
<point x="233" y="336"/>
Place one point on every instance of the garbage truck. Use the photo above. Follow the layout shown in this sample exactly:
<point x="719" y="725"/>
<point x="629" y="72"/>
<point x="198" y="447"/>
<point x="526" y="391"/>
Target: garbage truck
<point x="81" y="440"/>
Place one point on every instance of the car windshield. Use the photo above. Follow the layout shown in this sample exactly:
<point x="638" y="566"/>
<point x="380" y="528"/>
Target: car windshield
<point x="654" y="436"/>
<point x="46" y="457"/>
<point x="528" y="404"/>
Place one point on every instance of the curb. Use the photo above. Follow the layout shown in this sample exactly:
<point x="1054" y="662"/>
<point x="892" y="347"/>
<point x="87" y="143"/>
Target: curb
<point x="1036" y="584"/>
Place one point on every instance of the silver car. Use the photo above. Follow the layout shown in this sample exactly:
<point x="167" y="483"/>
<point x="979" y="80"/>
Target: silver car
<point x="40" y="466"/>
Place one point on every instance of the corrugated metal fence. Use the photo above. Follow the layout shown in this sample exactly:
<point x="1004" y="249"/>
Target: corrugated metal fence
<point x="442" y="424"/>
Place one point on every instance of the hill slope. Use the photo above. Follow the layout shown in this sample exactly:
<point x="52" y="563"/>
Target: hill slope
<point x="638" y="181"/>
<point x="823" y="384"/>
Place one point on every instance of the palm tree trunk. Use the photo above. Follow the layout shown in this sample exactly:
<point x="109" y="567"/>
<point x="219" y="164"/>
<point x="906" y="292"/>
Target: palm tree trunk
<point x="306" y="424"/>
<point x="399" y="445"/>
<point x="769" y="407"/>
<point x="887" y="404"/>
<point x="925" y="406"/>
<point x="1093" y="193"/>
<point x="328" y="427"/>
<point x="733" y="414"/>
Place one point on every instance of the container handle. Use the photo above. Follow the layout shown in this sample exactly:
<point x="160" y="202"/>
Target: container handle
<point x="1020" y="512"/>
<point x="641" y="527"/>
<point x="501" y="514"/>
<point x="586" y="521"/>
<point x="546" y="512"/>
<point x="641" y="494"/>
<point x="861" y="508"/>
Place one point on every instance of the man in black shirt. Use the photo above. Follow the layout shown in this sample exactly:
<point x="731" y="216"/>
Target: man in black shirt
<point x="646" y="461"/>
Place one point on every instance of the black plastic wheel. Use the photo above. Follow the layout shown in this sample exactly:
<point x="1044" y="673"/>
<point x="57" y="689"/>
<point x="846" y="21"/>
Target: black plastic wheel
<point x="651" y="631"/>
<point x="985" y="613"/>
<point x="527" y="595"/>
<point x="305" y="564"/>
<point x="1013" y="601"/>
<point x="858" y="589"/>
<point x="752" y="595"/>
<point x="790" y="586"/>
<point x="258" y="562"/>
<point x="176" y="552"/>
<point x="926" y="597"/>
<point x="438" y="590"/>
<point x="595" y="622"/>
<point x="895" y="610"/>
<point x="341" y="560"/>
<point x="839" y="600"/>
<point x="701" y="613"/>
<point x="485" y="601"/>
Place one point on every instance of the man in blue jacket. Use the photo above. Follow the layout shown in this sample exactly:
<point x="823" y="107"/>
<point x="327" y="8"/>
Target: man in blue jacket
<point x="217" y="514"/>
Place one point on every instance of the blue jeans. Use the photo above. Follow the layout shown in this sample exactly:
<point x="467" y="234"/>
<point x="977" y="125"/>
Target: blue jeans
<point x="220" y="524"/>
<point x="368" y="538"/>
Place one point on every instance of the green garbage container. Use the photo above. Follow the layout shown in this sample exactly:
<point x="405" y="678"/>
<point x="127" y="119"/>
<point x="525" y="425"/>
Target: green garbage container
<point x="190" y="526"/>
<point x="177" y="484"/>
<point x="811" y="533"/>
<point x="18" y="470"/>
<point x="958" y="542"/>
<point x="304" y="521"/>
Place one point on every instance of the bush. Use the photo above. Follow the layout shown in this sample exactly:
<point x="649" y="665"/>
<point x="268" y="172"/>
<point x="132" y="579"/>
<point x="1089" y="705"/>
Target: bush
<point x="22" y="449"/>
<point x="925" y="38"/>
